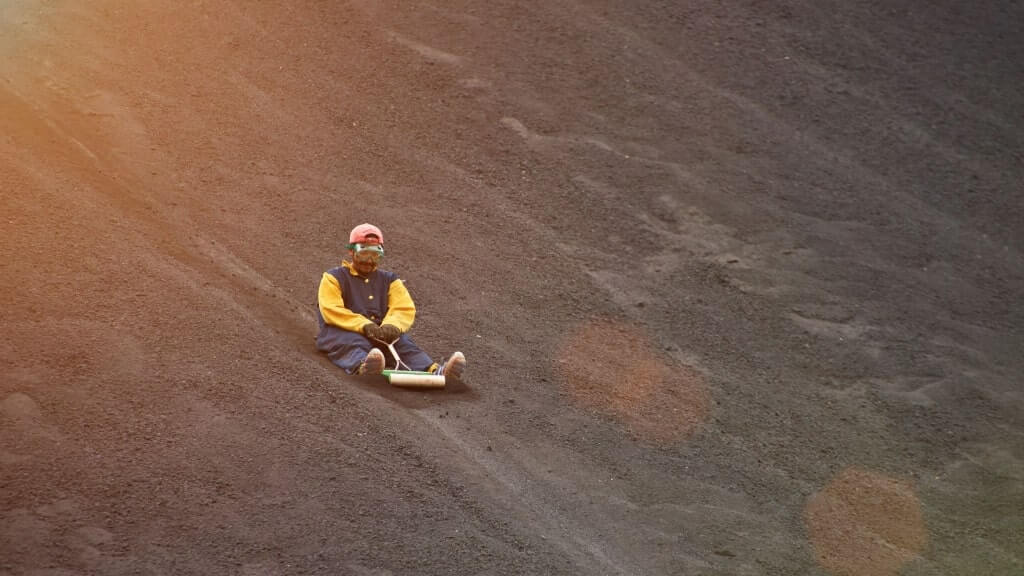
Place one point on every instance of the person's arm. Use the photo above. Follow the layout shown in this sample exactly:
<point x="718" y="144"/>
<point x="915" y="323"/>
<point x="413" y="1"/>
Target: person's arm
<point x="332" y="307"/>
<point x="401" y="310"/>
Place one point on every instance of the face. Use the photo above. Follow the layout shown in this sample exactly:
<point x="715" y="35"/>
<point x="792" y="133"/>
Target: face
<point x="366" y="255"/>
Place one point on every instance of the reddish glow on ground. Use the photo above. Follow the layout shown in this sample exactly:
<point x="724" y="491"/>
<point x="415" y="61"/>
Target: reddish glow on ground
<point x="865" y="524"/>
<point x="614" y="369"/>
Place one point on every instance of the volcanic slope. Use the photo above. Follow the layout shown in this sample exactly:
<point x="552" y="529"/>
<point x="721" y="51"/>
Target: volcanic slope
<point x="739" y="284"/>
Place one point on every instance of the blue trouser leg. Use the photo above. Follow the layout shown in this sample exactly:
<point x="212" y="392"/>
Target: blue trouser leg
<point x="347" y="350"/>
<point x="411" y="354"/>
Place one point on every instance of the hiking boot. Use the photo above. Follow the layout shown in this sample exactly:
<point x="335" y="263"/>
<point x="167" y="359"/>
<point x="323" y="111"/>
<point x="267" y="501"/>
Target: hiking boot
<point x="373" y="364"/>
<point x="454" y="366"/>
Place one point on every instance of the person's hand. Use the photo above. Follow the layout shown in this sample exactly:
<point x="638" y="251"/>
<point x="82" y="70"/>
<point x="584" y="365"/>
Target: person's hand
<point x="373" y="332"/>
<point x="389" y="333"/>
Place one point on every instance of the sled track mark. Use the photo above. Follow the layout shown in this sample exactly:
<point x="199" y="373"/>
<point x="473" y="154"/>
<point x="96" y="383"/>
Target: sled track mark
<point x="428" y="52"/>
<point x="516" y="494"/>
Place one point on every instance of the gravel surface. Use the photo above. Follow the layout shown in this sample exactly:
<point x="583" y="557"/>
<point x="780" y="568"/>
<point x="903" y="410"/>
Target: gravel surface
<point x="739" y="283"/>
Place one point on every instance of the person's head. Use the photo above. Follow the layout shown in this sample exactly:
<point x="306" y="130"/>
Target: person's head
<point x="365" y="247"/>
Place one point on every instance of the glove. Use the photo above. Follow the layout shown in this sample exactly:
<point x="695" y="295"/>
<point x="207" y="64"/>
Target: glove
<point x="372" y="331"/>
<point x="389" y="333"/>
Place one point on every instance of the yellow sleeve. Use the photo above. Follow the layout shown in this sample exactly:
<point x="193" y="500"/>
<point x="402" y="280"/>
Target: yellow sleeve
<point x="333" y="309"/>
<point x="401" y="310"/>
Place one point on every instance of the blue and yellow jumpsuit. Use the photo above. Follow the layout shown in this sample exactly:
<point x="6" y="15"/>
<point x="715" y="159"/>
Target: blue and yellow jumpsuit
<point x="349" y="301"/>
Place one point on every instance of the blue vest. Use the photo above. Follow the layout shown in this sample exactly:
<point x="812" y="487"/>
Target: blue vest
<point x="366" y="295"/>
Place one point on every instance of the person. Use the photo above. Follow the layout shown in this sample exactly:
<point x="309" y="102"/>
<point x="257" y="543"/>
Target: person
<point x="363" y="308"/>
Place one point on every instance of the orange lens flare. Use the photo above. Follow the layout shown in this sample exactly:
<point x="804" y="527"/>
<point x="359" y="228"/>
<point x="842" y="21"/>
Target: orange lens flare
<point x="865" y="524"/>
<point x="613" y="369"/>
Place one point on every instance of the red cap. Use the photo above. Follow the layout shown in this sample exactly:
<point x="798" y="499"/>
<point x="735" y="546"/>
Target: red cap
<point x="359" y="234"/>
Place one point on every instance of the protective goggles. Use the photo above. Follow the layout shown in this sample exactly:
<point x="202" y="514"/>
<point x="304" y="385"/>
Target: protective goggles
<point x="371" y="252"/>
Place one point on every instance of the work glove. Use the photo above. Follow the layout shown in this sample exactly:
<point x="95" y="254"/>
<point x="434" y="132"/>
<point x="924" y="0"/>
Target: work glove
<point x="372" y="331"/>
<point x="389" y="333"/>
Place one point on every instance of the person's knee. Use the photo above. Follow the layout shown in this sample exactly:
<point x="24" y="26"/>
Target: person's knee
<point x="340" y="341"/>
